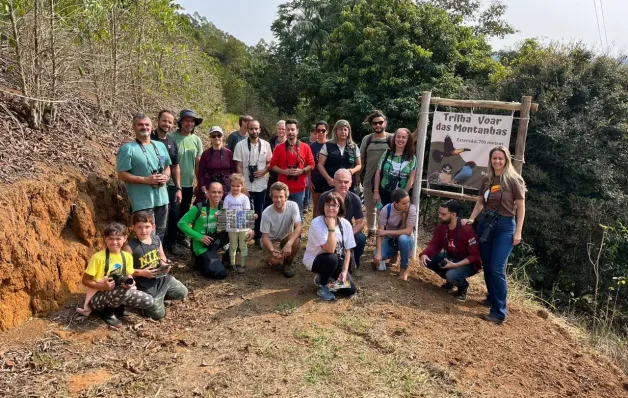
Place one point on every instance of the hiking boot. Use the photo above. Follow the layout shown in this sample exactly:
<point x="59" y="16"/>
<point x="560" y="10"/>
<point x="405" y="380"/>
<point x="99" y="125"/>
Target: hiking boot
<point x="240" y="269"/>
<point x="448" y="286"/>
<point x="317" y="280"/>
<point x="486" y="303"/>
<point x="109" y="317"/>
<point x="325" y="294"/>
<point x="461" y="294"/>
<point x="492" y="319"/>
<point x="288" y="270"/>
<point x="119" y="312"/>
<point x="186" y="243"/>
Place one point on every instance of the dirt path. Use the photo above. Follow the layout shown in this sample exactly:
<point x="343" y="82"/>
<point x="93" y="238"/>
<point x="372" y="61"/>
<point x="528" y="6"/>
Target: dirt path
<point x="260" y="334"/>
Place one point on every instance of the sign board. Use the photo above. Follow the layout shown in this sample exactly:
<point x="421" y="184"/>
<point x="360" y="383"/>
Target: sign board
<point x="460" y="146"/>
<point x="235" y="220"/>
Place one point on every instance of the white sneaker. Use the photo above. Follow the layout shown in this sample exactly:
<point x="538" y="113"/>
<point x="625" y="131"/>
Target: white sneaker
<point x="382" y="266"/>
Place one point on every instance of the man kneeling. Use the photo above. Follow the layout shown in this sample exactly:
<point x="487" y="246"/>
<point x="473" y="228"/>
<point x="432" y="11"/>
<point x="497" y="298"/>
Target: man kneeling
<point x="151" y="267"/>
<point x="453" y="252"/>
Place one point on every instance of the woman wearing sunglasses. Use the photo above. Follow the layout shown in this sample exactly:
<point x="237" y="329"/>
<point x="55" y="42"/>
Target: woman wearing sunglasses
<point x="339" y="153"/>
<point x="216" y="165"/>
<point x="318" y="181"/>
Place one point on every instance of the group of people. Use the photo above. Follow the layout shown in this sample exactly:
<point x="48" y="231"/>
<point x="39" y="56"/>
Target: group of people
<point x="161" y="169"/>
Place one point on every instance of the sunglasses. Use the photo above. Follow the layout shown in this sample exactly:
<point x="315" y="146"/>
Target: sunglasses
<point x="321" y="130"/>
<point x="378" y="123"/>
<point x="216" y="135"/>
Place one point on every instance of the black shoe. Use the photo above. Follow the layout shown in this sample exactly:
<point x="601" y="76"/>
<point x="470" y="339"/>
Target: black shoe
<point x="109" y="317"/>
<point x="461" y="294"/>
<point x="486" y="303"/>
<point x="119" y="312"/>
<point x="258" y="244"/>
<point x="492" y="319"/>
<point x="448" y="286"/>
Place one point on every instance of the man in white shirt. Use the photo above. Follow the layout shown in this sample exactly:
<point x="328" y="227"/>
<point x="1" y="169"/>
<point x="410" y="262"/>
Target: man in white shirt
<point x="281" y="229"/>
<point x="252" y="156"/>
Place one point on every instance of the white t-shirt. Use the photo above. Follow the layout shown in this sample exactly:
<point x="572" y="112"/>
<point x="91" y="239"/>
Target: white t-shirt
<point x="257" y="156"/>
<point x="317" y="237"/>
<point x="279" y="225"/>
<point x="342" y="151"/>
<point x="242" y="202"/>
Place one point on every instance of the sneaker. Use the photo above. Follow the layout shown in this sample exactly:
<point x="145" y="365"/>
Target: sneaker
<point x="381" y="266"/>
<point x="186" y="243"/>
<point x="448" y="286"/>
<point x="325" y="294"/>
<point x="317" y="280"/>
<point x="240" y="269"/>
<point x="461" y="294"/>
<point x="109" y="317"/>
<point x="492" y="319"/>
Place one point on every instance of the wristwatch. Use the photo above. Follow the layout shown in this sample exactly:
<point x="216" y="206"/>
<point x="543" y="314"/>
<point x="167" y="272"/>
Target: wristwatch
<point x="179" y="189"/>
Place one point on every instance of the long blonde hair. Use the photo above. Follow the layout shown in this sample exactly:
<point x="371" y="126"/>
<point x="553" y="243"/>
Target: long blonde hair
<point x="334" y="135"/>
<point x="509" y="176"/>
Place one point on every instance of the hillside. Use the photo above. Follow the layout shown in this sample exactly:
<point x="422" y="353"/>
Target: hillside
<point x="262" y="335"/>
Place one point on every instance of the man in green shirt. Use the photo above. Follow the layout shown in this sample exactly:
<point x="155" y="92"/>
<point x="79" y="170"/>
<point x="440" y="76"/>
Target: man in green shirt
<point x="200" y="224"/>
<point x="144" y="166"/>
<point x="190" y="149"/>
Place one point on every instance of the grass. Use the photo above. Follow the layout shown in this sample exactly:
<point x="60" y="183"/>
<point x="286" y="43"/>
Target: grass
<point x="286" y="308"/>
<point x="402" y="378"/>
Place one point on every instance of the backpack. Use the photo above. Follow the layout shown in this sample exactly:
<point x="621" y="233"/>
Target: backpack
<point x="369" y="140"/>
<point x="199" y="208"/>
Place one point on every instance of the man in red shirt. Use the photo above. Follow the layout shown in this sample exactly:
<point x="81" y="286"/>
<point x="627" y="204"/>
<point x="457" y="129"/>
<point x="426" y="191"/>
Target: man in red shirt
<point x="453" y="253"/>
<point x="293" y="160"/>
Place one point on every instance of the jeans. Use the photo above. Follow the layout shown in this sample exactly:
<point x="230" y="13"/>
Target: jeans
<point x="307" y="199"/>
<point x="257" y="203"/>
<point x="494" y="255"/>
<point x="405" y="243"/>
<point x="371" y="212"/>
<point x="456" y="276"/>
<point x="298" y="198"/>
<point x="208" y="262"/>
<point x="328" y="266"/>
<point x="176" y="211"/>
<point x="360" y="244"/>
<point x="174" y="290"/>
<point x="160" y="213"/>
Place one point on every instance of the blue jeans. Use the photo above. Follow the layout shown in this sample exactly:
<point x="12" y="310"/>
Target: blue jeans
<point x="494" y="255"/>
<point x="405" y="243"/>
<point x="298" y="198"/>
<point x="257" y="204"/>
<point x="360" y="244"/>
<point x="456" y="276"/>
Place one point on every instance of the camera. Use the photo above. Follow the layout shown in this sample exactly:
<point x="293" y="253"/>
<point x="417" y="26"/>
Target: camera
<point x="292" y="177"/>
<point x="392" y="183"/>
<point x="490" y="222"/>
<point x="252" y="170"/>
<point x="120" y="279"/>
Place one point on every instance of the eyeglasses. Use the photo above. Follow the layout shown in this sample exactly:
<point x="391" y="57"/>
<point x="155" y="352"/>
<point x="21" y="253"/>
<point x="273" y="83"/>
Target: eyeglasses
<point x="321" y="130"/>
<point x="332" y="205"/>
<point x="378" y="123"/>
<point x="216" y="135"/>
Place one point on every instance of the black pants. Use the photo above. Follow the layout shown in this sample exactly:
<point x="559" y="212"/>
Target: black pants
<point x="329" y="266"/>
<point x="176" y="211"/>
<point x="208" y="262"/>
<point x="258" y="199"/>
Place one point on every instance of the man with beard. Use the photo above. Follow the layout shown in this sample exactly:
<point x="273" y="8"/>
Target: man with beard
<point x="239" y="134"/>
<point x="293" y="160"/>
<point x="371" y="150"/>
<point x="453" y="253"/>
<point x="252" y="157"/>
<point x="278" y="138"/>
<point x="144" y="166"/>
<point x="190" y="149"/>
<point x="165" y="123"/>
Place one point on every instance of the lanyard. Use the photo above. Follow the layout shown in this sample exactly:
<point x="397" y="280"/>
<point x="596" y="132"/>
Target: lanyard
<point x="107" y="263"/>
<point x="150" y="166"/>
<point x="211" y="154"/>
<point x="297" y="162"/>
<point x="259" y="150"/>
<point x="458" y="224"/>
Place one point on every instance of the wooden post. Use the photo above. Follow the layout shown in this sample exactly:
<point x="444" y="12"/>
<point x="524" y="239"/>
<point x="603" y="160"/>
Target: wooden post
<point x="424" y="118"/>
<point x="522" y="133"/>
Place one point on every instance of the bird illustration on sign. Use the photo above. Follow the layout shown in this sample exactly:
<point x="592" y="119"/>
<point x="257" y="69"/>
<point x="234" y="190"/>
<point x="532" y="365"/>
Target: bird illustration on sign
<point x="448" y="151"/>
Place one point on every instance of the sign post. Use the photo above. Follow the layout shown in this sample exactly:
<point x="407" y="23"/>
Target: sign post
<point x="424" y="118"/>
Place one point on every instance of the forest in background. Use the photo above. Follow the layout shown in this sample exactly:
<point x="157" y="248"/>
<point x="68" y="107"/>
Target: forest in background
<point x="336" y="59"/>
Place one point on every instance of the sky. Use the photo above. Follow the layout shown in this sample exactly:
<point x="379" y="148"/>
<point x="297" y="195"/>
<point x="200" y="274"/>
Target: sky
<point x="549" y="20"/>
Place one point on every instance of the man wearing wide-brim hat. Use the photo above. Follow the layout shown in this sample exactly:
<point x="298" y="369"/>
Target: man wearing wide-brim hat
<point x="190" y="150"/>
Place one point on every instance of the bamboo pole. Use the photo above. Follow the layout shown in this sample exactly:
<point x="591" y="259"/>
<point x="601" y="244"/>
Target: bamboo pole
<point x="508" y="106"/>
<point x="448" y="195"/>
<point x="424" y="118"/>
<point x="522" y="133"/>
